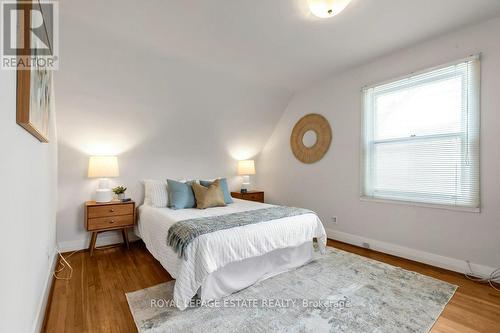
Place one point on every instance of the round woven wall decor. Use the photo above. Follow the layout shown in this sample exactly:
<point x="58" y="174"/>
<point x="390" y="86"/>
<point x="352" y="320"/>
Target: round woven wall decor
<point x="321" y="127"/>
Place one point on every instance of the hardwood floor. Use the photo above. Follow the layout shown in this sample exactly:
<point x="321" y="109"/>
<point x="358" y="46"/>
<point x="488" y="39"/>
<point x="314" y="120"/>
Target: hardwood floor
<point x="94" y="299"/>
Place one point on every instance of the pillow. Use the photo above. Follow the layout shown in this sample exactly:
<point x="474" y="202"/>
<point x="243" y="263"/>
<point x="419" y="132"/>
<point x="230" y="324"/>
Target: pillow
<point x="211" y="196"/>
<point x="180" y="195"/>
<point x="155" y="193"/>
<point x="223" y="185"/>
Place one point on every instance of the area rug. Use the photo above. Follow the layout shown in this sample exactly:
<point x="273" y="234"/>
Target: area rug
<point x="336" y="292"/>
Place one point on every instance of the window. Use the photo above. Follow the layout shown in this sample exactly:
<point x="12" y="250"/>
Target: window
<point x="421" y="137"/>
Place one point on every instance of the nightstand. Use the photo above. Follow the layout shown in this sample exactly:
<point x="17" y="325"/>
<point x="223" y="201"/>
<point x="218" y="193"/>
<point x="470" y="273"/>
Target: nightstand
<point x="257" y="196"/>
<point x="114" y="215"/>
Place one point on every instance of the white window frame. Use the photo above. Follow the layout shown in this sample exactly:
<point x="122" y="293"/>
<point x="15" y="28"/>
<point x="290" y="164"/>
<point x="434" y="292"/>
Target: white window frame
<point x="368" y="142"/>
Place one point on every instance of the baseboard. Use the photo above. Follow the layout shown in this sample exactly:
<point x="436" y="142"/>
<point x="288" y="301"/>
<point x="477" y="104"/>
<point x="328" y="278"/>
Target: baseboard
<point x="112" y="237"/>
<point x="432" y="259"/>
<point x="38" y="324"/>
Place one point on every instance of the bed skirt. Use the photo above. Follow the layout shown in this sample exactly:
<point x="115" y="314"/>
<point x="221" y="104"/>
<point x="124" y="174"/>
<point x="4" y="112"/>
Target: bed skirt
<point x="242" y="274"/>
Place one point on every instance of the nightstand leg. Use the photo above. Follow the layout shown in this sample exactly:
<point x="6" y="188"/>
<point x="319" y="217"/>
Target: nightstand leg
<point x="93" y="238"/>
<point x="125" y="237"/>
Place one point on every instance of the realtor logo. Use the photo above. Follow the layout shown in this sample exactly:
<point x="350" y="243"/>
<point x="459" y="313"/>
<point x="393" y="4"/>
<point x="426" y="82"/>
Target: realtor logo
<point x="29" y="37"/>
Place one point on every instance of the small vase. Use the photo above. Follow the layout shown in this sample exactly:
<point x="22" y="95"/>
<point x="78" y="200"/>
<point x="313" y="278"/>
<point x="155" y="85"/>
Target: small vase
<point x="121" y="196"/>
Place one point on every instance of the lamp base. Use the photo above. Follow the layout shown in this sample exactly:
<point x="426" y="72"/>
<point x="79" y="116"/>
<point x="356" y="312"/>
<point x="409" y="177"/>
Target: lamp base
<point x="103" y="195"/>
<point x="245" y="186"/>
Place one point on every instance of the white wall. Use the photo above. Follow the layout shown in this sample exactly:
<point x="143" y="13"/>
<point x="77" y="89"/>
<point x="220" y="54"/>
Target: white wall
<point x="28" y="172"/>
<point x="331" y="186"/>
<point x="163" y="116"/>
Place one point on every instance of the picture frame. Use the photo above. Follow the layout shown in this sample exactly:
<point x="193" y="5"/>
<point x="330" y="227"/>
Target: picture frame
<point x="34" y="84"/>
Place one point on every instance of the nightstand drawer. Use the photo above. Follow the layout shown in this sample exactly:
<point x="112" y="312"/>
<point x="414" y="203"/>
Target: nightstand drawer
<point x="110" y="222"/>
<point x="110" y="210"/>
<point x="254" y="197"/>
<point x="257" y="196"/>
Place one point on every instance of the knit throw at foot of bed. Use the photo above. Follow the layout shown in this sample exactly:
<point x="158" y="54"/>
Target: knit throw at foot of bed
<point x="337" y="292"/>
<point x="184" y="232"/>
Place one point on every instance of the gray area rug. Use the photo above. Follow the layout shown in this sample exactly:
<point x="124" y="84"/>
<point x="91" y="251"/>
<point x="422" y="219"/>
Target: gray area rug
<point x="337" y="292"/>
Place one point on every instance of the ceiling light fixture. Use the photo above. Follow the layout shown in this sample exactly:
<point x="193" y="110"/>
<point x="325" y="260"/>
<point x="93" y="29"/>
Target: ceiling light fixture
<point x="327" y="8"/>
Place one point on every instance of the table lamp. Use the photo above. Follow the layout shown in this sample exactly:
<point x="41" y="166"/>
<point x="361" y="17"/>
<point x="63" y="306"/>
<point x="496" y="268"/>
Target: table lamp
<point x="103" y="167"/>
<point x="245" y="169"/>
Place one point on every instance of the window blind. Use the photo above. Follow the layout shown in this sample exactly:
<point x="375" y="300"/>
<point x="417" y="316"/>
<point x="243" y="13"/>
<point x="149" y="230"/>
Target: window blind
<point x="421" y="137"/>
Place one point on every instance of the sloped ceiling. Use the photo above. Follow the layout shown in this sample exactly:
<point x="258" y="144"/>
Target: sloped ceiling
<point x="276" y="42"/>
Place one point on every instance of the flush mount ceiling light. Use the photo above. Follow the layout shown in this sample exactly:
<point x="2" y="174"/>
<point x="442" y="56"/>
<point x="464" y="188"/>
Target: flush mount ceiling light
<point x="327" y="8"/>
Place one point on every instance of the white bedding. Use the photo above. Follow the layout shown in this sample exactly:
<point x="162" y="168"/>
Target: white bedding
<point x="209" y="252"/>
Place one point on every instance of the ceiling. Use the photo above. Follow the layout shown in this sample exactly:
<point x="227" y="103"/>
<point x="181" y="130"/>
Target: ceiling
<point x="277" y="42"/>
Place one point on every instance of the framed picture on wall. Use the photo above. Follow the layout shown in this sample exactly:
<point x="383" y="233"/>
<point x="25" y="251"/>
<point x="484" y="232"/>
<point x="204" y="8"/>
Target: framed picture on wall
<point x="34" y="82"/>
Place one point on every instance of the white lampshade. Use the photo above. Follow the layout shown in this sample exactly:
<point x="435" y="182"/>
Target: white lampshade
<point x="246" y="167"/>
<point x="327" y="8"/>
<point x="103" y="167"/>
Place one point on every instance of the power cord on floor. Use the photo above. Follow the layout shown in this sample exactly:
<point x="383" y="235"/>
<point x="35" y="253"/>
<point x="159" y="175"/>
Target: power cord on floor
<point x="493" y="278"/>
<point x="62" y="265"/>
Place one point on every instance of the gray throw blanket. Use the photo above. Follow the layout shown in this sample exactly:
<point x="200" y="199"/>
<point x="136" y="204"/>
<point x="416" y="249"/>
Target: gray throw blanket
<point x="184" y="232"/>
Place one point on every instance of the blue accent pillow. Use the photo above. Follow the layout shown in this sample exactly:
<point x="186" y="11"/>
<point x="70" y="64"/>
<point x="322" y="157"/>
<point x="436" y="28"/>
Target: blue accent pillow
<point x="223" y="185"/>
<point x="180" y="195"/>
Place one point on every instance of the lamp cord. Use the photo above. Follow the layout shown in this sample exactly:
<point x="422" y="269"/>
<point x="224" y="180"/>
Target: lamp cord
<point x="62" y="265"/>
<point x="493" y="278"/>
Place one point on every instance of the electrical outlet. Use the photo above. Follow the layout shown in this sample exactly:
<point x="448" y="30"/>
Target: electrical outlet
<point x="334" y="220"/>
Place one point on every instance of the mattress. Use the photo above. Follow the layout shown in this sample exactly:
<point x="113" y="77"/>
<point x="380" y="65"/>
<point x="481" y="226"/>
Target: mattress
<point x="210" y="252"/>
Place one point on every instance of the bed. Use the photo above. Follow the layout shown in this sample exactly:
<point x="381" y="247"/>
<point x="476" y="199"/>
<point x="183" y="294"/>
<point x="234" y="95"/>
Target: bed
<point x="225" y="261"/>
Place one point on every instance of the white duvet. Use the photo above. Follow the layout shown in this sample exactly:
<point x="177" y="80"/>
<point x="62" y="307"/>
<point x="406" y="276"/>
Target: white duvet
<point x="209" y="252"/>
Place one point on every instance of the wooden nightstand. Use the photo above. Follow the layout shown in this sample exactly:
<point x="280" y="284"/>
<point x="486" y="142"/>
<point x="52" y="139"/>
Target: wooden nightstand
<point x="114" y="215"/>
<point x="257" y="196"/>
